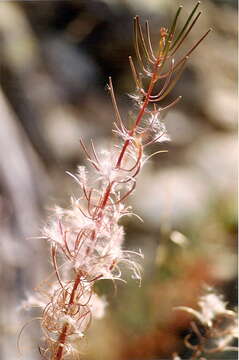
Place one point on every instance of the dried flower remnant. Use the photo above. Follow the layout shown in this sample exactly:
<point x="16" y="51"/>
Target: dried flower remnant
<point x="86" y="239"/>
<point x="216" y="327"/>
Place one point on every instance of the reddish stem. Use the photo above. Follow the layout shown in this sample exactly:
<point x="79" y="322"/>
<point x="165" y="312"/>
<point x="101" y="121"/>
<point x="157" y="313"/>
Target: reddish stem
<point x="61" y="341"/>
<point x="63" y="335"/>
<point x="142" y="110"/>
<point x="106" y="195"/>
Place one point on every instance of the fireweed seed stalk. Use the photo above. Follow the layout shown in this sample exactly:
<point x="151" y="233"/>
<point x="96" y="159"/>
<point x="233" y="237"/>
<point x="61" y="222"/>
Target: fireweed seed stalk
<point x="214" y="329"/>
<point x="86" y="239"/>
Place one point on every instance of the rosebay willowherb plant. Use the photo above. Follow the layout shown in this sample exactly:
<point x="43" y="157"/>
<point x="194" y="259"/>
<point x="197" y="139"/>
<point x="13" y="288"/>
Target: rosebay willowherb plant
<point x="86" y="239"/>
<point x="215" y="327"/>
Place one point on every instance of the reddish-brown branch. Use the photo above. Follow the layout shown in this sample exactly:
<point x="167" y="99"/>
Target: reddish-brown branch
<point x="96" y="200"/>
<point x="106" y="195"/>
<point x="61" y="342"/>
<point x="142" y="110"/>
<point x="63" y="335"/>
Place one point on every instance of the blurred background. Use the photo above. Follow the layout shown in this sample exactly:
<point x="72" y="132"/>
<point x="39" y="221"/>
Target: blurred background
<point x="56" y="57"/>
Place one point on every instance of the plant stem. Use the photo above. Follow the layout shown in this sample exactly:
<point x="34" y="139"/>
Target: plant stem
<point x="142" y="110"/>
<point x="63" y="335"/>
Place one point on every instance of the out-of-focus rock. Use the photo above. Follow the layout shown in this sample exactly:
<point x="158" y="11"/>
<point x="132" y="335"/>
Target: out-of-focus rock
<point x="176" y="195"/>
<point x="221" y="107"/>
<point x="62" y="130"/>
<point x="181" y="129"/>
<point x="216" y="156"/>
<point x="73" y="68"/>
<point x="19" y="46"/>
<point x="217" y="68"/>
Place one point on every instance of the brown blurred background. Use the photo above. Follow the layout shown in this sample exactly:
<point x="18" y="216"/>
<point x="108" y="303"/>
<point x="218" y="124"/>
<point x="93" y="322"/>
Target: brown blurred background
<point x="56" y="57"/>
